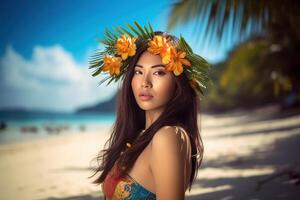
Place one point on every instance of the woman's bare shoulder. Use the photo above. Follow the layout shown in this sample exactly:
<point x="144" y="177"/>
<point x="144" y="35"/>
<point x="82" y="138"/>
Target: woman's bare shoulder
<point x="170" y="135"/>
<point x="171" y="139"/>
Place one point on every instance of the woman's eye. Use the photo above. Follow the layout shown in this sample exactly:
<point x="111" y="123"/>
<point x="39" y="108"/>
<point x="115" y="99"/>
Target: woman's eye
<point x="160" y="73"/>
<point x="136" y="72"/>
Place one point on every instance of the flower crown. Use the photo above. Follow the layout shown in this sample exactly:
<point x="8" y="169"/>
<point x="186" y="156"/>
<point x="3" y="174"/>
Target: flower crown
<point x="177" y="55"/>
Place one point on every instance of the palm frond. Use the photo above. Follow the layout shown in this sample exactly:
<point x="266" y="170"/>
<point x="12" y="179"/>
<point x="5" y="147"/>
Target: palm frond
<point x="134" y="30"/>
<point x="97" y="72"/>
<point x="184" y="45"/>
<point x="111" y="35"/>
<point x="125" y="31"/>
<point x="103" y="80"/>
<point x="144" y="35"/>
<point x="214" y="17"/>
<point x="118" y="31"/>
<point x="110" y="81"/>
<point x="147" y="31"/>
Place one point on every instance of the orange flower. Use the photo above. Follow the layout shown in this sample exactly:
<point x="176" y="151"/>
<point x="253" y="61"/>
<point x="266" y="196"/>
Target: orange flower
<point x="125" y="46"/>
<point x="160" y="45"/>
<point x="176" y="62"/>
<point x="166" y="53"/>
<point x="156" y="44"/>
<point x="112" y="64"/>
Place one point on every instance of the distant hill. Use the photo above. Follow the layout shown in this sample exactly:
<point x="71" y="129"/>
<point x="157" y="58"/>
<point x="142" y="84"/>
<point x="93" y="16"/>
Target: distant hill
<point x="103" y="107"/>
<point x="25" y="111"/>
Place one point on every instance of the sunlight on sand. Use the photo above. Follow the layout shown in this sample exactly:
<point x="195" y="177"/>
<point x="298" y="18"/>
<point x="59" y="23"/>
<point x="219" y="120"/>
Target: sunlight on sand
<point x="214" y="173"/>
<point x="198" y="191"/>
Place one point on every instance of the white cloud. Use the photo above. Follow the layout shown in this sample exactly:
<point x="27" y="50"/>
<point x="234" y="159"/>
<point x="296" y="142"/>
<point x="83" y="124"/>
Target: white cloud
<point x="50" y="80"/>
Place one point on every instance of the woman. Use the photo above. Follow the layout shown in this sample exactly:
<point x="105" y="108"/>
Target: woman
<point x="155" y="148"/>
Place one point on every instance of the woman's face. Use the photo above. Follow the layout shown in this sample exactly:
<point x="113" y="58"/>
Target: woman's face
<point x="152" y="86"/>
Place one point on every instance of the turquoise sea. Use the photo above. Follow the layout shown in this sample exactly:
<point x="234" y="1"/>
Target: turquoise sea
<point x="30" y="126"/>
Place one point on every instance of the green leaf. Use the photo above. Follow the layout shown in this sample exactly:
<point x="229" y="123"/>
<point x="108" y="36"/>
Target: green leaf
<point x="117" y="30"/>
<point x="107" y="40"/>
<point x="97" y="72"/>
<point x="196" y="63"/>
<point x="103" y="80"/>
<point x="112" y="78"/>
<point x="141" y="30"/>
<point x="135" y="31"/>
<point x="185" y="44"/>
<point x="130" y="34"/>
<point x="110" y="34"/>
<point x="151" y="29"/>
<point x="146" y="29"/>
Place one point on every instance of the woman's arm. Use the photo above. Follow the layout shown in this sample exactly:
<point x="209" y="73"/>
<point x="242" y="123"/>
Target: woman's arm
<point x="167" y="164"/>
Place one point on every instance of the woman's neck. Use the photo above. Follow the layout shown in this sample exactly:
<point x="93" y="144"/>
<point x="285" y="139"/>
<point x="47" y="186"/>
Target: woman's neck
<point x="151" y="116"/>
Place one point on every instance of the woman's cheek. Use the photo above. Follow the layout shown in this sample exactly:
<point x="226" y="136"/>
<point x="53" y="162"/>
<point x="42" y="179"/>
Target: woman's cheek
<point x="164" y="90"/>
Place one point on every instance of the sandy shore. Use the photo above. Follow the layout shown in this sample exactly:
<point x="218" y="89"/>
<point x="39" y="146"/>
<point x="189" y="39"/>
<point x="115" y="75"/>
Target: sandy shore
<point x="241" y="149"/>
<point x="52" y="167"/>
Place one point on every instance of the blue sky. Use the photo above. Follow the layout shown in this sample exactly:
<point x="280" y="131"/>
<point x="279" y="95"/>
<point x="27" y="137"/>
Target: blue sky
<point x="45" y="45"/>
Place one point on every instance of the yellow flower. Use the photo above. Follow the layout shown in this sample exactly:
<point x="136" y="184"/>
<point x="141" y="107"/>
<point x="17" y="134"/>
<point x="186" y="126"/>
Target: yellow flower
<point x="125" y="46"/>
<point x="112" y="64"/>
<point x="156" y="44"/>
<point x="176" y="62"/>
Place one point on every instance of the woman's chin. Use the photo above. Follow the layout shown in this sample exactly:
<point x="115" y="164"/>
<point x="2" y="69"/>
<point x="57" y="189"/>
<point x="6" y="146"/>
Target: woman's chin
<point x="146" y="108"/>
<point x="146" y="105"/>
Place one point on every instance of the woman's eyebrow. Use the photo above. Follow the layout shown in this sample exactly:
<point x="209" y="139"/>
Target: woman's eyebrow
<point x="158" y="65"/>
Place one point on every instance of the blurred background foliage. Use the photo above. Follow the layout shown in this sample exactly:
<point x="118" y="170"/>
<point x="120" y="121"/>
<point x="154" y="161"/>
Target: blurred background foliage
<point x="264" y="66"/>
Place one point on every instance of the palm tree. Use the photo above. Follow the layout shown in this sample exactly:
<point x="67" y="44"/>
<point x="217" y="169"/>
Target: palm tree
<point x="278" y="21"/>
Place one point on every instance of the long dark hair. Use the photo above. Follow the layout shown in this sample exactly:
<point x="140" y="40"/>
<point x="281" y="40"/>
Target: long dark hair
<point x="181" y="111"/>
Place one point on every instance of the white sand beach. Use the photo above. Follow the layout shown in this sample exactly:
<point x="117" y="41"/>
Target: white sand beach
<point x="50" y="167"/>
<point x="241" y="148"/>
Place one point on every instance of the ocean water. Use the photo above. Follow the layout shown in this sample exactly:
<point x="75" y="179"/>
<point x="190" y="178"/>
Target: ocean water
<point x="24" y="126"/>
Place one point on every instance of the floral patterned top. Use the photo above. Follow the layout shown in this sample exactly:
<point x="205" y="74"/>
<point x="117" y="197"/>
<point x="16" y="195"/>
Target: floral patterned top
<point x="124" y="188"/>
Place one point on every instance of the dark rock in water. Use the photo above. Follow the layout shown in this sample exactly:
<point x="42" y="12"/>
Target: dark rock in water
<point x="2" y="126"/>
<point x="31" y="129"/>
<point x="55" y="130"/>
<point x="51" y="130"/>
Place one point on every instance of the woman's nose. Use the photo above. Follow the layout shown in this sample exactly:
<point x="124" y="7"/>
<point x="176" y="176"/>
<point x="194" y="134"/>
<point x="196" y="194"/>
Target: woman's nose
<point x="146" y="81"/>
<point x="146" y="85"/>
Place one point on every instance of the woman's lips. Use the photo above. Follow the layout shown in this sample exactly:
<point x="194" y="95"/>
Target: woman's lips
<point x="145" y="97"/>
